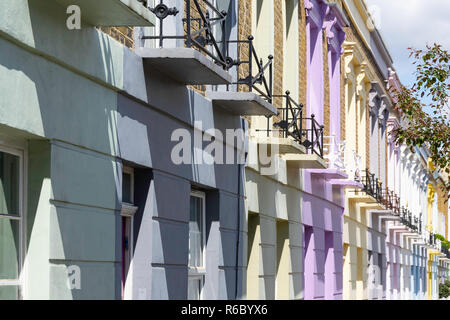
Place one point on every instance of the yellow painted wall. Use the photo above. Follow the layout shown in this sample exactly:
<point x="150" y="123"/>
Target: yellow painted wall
<point x="254" y="240"/>
<point x="355" y="236"/>
<point x="430" y="198"/>
<point x="283" y="258"/>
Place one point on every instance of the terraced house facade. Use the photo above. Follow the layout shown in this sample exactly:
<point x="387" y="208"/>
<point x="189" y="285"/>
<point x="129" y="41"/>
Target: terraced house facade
<point x="191" y="149"/>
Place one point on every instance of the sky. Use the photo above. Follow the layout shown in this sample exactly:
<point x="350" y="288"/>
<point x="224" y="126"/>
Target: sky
<point x="410" y="23"/>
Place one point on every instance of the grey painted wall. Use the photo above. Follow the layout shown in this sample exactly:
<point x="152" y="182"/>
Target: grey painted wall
<point x="60" y="90"/>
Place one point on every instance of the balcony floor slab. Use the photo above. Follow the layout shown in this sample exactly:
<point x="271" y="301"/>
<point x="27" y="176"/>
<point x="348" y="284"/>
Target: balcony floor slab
<point x="330" y="174"/>
<point x="350" y="184"/>
<point x="305" y="161"/>
<point x="242" y="103"/>
<point x="362" y="197"/>
<point x="184" y="65"/>
<point x="284" y="145"/>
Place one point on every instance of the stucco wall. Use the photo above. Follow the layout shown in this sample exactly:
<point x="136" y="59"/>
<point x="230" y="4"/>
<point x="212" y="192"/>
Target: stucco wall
<point x="69" y="101"/>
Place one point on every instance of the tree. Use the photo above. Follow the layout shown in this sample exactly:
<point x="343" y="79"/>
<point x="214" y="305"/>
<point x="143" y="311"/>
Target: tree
<point x="431" y="90"/>
<point x="444" y="289"/>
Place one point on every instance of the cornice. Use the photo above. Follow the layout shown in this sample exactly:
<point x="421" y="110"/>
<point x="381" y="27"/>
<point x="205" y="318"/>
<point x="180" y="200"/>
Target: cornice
<point x="334" y="24"/>
<point x="362" y="13"/>
<point x="362" y="9"/>
<point x="393" y="122"/>
<point x="314" y="11"/>
<point x="364" y="78"/>
<point x="128" y="210"/>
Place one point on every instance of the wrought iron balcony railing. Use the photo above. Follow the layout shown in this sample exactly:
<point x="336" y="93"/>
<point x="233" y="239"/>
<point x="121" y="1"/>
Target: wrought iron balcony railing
<point x="292" y="124"/>
<point x="391" y="201"/>
<point x="313" y="136"/>
<point x="258" y="76"/>
<point x="420" y="224"/>
<point x="432" y="239"/>
<point x="201" y="23"/>
<point x="396" y="204"/>
<point x="403" y="216"/>
<point x="446" y="251"/>
<point x="291" y="115"/>
<point x="372" y="186"/>
<point x="387" y="199"/>
<point x="406" y="218"/>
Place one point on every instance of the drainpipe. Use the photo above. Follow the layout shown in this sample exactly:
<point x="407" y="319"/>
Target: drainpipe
<point x="238" y="223"/>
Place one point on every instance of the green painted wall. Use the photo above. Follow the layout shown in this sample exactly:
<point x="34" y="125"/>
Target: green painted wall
<point x="59" y="90"/>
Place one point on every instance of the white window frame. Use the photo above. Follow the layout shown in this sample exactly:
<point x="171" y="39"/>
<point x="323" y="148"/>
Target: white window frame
<point x="130" y="171"/>
<point x="200" y="272"/>
<point x="128" y="210"/>
<point x="21" y="217"/>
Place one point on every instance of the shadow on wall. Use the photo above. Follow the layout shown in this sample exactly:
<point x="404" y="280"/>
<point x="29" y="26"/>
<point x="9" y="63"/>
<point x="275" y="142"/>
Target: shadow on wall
<point x="169" y="194"/>
<point x="48" y="100"/>
<point x="86" y="124"/>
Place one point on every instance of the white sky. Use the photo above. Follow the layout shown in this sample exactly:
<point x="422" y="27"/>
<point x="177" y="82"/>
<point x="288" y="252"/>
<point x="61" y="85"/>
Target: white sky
<point x="410" y="23"/>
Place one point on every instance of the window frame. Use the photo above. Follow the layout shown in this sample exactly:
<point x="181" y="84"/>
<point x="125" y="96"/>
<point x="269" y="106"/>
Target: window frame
<point x="130" y="171"/>
<point x="128" y="211"/>
<point x="199" y="272"/>
<point x="20" y="152"/>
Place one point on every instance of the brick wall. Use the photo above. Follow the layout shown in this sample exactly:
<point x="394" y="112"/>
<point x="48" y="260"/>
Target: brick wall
<point x="244" y="30"/>
<point x="302" y="56"/>
<point x="368" y="146"/>
<point x="343" y="106"/>
<point x="278" y="53"/>
<point x="353" y="36"/>
<point x="122" y="34"/>
<point x="357" y="100"/>
<point x="326" y="87"/>
<point x="443" y="205"/>
<point x="194" y="27"/>
<point x="386" y="183"/>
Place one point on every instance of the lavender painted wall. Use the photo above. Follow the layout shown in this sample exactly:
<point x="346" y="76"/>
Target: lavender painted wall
<point x="322" y="217"/>
<point x="322" y="210"/>
<point x="315" y="12"/>
<point x="335" y="37"/>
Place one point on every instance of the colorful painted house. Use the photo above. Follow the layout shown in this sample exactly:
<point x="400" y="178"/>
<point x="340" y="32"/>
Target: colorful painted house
<point x="143" y="157"/>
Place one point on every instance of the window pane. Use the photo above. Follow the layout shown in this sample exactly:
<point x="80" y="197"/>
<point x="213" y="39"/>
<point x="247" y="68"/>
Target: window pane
<point x="9" y="184"/>
<point x="194" y="288"/>
<point x="9" y="292"/>
<point x="126" y="188"/>
<point x="9" y="249"/>
<point x="196" y="233"/>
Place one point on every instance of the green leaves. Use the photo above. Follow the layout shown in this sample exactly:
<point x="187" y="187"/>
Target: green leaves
<point x="420" y="128"/>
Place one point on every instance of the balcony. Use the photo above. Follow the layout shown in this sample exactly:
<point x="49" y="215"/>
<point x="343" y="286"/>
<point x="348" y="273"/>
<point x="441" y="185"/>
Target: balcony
<point x="184" y="65"/>
<point x="334" y="153"/>
<point x="108" y="13"/>
<point x="446" y="251"/>
<point x="186" y="48"/>
<point x="338" y="172"/>
<point x="371" y="192"/>
<point x="432" y="239"/>
<point x="372" y="186"/>
<point x="293" y="128"/>
<point x="257" y="79"/>
<point x="391" y="201"/>
<point x="406" y="218"/>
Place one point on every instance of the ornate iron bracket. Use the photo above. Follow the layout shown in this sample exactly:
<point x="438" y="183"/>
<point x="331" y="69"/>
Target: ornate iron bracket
<point x="162" y="11"/>
<point x="199" y="30"/>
